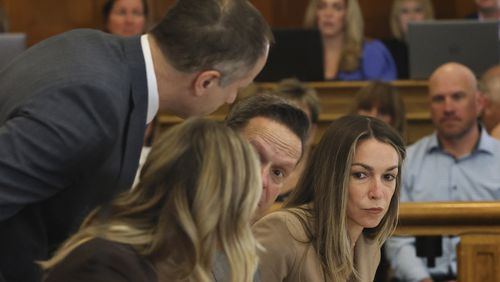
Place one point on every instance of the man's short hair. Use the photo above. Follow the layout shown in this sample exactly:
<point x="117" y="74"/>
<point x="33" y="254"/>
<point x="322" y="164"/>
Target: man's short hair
<point x="225" y="35"/>
<point x="272" y="107"/>
<point x="295" y="90"/>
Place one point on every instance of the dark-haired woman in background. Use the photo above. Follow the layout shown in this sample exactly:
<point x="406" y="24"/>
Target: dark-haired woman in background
<point x="381" y="100"/>
<point x="125" y="17"/>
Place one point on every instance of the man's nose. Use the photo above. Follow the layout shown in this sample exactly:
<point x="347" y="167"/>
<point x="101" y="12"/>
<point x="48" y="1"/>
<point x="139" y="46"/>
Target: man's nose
<point x="448" y="105"/>
<point x="265" y="178"/>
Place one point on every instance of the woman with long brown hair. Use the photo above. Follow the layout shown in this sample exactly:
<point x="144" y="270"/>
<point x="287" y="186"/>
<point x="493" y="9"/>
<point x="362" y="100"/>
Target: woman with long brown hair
<point x="343" y="209"/>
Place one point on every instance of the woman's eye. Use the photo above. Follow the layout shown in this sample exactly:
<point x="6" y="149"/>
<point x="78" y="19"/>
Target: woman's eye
<point x="389" y="177"/>
<point x="359" y="175"/>
<point x="278" y="173"/>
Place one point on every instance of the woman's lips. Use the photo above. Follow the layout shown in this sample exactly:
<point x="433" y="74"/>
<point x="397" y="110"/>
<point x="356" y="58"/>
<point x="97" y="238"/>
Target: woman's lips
<point x="374" y="210"/>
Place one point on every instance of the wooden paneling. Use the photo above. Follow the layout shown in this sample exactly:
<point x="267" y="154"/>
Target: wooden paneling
<point x="479" y="258"/>
<point x="449" y="218"/>
<point x="376" y="17"/>
<point x="157" y="9"/>
<point x="336" y="99"/>
<point x="41" y="19"/>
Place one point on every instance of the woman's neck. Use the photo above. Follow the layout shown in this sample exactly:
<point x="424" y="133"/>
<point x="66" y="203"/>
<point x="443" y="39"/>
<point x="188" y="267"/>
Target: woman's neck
<point x="332" y="52"/>
<point x="333" y="43"/>
<point x="354" y="231"/>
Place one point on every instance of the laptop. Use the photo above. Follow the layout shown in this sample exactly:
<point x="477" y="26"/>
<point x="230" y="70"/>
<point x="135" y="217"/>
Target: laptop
<point x="296" y="53"/>
<point x="11" y="45"/>
<point x="469" y="42"/>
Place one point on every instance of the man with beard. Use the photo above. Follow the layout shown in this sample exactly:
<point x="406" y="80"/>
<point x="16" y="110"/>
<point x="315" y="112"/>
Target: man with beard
<point x="458" y="162"/>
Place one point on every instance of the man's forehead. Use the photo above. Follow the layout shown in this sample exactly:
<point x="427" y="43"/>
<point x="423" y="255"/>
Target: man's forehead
<point x="273" y="137"/>
<point x="450" y="86"/>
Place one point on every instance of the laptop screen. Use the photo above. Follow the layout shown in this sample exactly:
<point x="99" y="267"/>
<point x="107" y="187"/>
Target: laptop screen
<point x="469" y="42"/>
<point x="295" y="53"/>
<point x="11" y="45"/>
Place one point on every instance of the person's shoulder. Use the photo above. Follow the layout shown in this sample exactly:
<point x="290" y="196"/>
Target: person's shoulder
<point x="287" y="222"/>
<point x="105" y="259"/>
<point x="78" y="36"/>
<point x="371" y="44"/>
<point x="421" y="144"/>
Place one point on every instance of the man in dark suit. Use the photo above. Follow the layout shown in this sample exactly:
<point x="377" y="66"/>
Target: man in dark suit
<point x="73" y="110"/>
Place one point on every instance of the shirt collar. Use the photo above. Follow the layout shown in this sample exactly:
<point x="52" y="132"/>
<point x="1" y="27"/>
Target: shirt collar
<point x="151" y="77"/>
<point x="486" y="143"/>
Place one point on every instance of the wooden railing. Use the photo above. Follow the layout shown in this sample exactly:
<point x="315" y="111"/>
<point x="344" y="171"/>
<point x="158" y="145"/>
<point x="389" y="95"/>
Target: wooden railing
<point x="476" y="223"/>
<point x="336" y="99"/>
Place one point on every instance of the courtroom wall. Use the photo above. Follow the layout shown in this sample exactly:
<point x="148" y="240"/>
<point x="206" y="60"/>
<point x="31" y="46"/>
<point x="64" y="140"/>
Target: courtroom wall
<point x="43" y="18"/>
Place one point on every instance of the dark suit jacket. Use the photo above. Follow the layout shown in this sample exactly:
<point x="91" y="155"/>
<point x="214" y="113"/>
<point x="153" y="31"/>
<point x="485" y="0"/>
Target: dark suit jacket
<point x="72" y="120"/>
<point x="99" y="260"/>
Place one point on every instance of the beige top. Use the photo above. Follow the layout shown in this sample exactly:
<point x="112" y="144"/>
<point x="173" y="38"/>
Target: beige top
<point x="288" y="256"/>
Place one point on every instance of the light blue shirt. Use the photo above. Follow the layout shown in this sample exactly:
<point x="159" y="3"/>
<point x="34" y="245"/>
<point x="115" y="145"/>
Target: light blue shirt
<point x="432" y="175"/>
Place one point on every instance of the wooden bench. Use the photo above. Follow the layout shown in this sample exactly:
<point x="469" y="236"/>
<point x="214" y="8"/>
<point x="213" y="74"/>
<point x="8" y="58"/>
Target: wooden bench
<point x="336" y="99"/>
<point x="476" y="223"/>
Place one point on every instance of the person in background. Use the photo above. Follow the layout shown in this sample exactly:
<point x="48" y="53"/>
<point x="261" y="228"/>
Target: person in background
<point x="486" y="10"/>
<point x="129" y="18"/>
<point x="74" y="108"/>
<point x="460" y="161"/>
<point x="125" y="17"/>
<point x="179" y="216"/>
<point x="306" y="99"/>
<point x="347" y="54"/>
<point x="490" y="88"/>
<point x="381" y="100"/>
<point x="342" y="210"/>
<point x="404" y="12"/>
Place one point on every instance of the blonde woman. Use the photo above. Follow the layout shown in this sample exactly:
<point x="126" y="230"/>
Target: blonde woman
<point x="347" y="55"/>
<point x="344" y="207"/>
<point x="193" y="201"/>
<point x="404" y="12"/>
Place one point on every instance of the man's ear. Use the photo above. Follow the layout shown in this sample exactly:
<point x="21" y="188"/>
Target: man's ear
<point x="480" y="100"/>
<point x="205" y="80"/>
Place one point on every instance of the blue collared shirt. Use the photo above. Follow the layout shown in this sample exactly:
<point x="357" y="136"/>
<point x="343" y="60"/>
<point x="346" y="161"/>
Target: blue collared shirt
<point x="432" y="175"/>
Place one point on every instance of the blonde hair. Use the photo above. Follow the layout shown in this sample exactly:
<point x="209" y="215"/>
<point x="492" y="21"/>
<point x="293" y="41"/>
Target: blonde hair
<point x="194" y="200"/>
<point x="384" y="97"/>
<point x="396" y="13"/>
<point x="354" y="33"/>
<point x="321" y="196"/>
